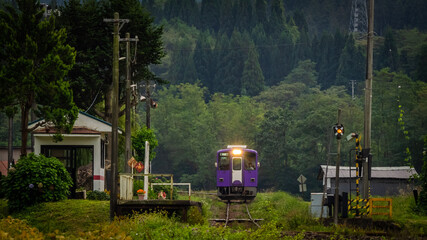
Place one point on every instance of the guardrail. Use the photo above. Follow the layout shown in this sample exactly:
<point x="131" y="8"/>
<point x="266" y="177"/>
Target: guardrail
<point x="389" y="206"/>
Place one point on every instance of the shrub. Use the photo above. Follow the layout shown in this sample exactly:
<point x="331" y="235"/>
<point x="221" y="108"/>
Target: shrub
<point x="97" y="195"/>
<point x="36" y="179"/>
<point x="12" y="228"/>
<point x="153" y="192"/>
<point x="2" y="186"/>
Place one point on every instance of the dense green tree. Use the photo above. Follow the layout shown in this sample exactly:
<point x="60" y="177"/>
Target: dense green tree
<point x="185" y="10"/>
<point x="138" y="143"/>
<point x="231" y="64"/>
<point x="243" y="14"/>
<point x="252" y="77"/>
<point x="388" y="55"/>
<point x="226" y="17"/>
<point x="394" y="101"/>
<point x="210" y="15"/>
<point x="203" y="60"/>
<point x="183" y="69"/>
<point x="351" y="63"/>
<point x="35" y="61"/>
<point x="261" y="12"/>
<point x="422" y="200"/>
<point x="303" y="45"/>
<point x="184" y="130"/>
<point x="272" y="139"/>
<point x="277" y="21"/>
<point x="421" y="71"/>
<point x="305" y="73"/>
<point x="85" y="22"/>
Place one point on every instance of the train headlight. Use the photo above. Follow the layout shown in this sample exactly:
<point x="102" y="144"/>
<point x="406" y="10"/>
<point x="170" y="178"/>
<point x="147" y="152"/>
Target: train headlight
<point x="237" y="151"/>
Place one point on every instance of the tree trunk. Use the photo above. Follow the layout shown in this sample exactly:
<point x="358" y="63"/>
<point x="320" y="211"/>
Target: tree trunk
<point x="25" y="109"/>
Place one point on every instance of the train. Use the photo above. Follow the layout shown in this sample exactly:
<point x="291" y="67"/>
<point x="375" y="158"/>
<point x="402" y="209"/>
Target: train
<point x="237" y="173"/>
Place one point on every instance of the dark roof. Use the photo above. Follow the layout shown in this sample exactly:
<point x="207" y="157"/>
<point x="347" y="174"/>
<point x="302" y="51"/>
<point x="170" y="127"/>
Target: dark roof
<point x="401" y="172"/>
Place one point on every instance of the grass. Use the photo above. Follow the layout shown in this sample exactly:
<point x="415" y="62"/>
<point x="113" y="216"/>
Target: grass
<point x="282" y="213"/>
<point x="68" y="216"/>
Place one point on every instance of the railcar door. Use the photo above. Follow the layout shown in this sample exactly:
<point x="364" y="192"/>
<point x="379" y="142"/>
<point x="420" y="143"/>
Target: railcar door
<point x="237" y="170"/>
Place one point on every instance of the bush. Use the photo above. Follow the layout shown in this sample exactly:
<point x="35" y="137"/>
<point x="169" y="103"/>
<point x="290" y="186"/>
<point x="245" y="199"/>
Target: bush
<point x="97" y="195"/>
<point x="153" y="192"/>
<point x="36" y="179"/>
<point x="2" y="186"/>
<point x="11" y="228"/>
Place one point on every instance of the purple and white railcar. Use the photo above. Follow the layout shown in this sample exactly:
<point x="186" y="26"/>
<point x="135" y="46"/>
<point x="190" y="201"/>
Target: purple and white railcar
<point x="237" y="173"/>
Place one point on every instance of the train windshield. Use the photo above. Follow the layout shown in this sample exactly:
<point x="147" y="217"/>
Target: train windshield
<point x="224" y="163"/>
<point x="250" y="160"/>
<point x="237" y="163"/>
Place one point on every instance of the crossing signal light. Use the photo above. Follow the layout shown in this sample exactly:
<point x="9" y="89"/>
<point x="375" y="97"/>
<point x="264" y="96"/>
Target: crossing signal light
<point x="338" y="130"/>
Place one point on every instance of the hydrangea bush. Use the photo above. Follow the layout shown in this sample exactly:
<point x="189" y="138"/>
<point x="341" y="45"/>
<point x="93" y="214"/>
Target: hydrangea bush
<point x="36" y="179"/>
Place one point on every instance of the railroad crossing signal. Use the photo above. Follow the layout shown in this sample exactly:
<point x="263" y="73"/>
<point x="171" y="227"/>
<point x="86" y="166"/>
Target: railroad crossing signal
<point x="302" y="187"/>
<point x="338" y="130"/>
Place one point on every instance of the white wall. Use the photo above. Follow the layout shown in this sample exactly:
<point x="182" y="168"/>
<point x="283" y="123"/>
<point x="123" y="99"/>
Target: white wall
<point x="80" y="140"/>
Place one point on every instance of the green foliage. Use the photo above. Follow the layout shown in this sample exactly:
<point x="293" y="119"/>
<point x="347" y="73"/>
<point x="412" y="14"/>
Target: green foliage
<point x="153" y="193"/>
<point x="422" y="200"/>
<point x="138" y="143"/>
<point x="36" y="179"/>
<point x="2" y="186"/>
<point x="35" y="62"/>
<point x="97" y="195"/>
<point x="11" y="228"/>
<point x="67" y="217"/>
<point x="91" y="79"/>
<point x="195" y="217"/>
<point x="137" y="184"/>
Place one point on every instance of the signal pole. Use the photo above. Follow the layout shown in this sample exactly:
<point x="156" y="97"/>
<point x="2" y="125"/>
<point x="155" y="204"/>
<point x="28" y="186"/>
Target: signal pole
<point x="337" y="172"/>
<point x="114" y="135"/>
<point x="368" y="100"/>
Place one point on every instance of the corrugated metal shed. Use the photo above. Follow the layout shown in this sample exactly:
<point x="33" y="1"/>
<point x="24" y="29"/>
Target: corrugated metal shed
<point x="402" y="172"/>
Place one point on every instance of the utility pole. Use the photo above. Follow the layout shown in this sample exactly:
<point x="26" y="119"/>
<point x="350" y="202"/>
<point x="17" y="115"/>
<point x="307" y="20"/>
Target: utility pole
<point x="148" y="104"/>
<point x="118" y="24"/>
<point x="368" y="100"/>
<point x="128" y="143"/>
<point x="337" y="174"/>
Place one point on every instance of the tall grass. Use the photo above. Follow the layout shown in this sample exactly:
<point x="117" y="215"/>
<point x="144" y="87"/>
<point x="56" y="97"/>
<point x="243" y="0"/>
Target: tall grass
<point x="283" y="214"/>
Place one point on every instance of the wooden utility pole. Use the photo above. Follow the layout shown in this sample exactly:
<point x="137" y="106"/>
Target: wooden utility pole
<point x="128" y="143"/>
<point x="115" y="102"/>
<point x="148" y="104"/>
<point x="368" y="100"/>
<point x="337" y="174"/>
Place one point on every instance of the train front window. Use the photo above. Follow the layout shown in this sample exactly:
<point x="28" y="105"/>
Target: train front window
<point x="224" y="163"/>
<point x="237" y="163"/>
<point x="250" y="160"/>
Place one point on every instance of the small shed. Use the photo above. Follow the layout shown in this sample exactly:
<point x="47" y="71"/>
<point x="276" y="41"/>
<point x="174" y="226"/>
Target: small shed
<point x="385" y="181"/>
<point x="82" y="151"/>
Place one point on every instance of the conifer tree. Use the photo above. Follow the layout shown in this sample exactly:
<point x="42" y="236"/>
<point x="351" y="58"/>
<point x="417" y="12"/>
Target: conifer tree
<point x="34" y="63"/>
<point x="252" y="79"/>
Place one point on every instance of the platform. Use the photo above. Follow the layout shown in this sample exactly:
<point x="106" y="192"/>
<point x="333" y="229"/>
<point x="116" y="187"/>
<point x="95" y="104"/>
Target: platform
<point x="126" y="207"/>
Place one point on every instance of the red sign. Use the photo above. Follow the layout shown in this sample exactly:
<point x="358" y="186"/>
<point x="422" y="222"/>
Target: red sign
<point x="139" y="167"/>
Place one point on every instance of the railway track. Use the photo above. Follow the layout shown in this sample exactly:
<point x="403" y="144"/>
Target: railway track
<point x="231" y="215"/>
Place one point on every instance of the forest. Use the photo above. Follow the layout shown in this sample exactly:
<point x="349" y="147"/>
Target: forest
<point x="269" y="74"/>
